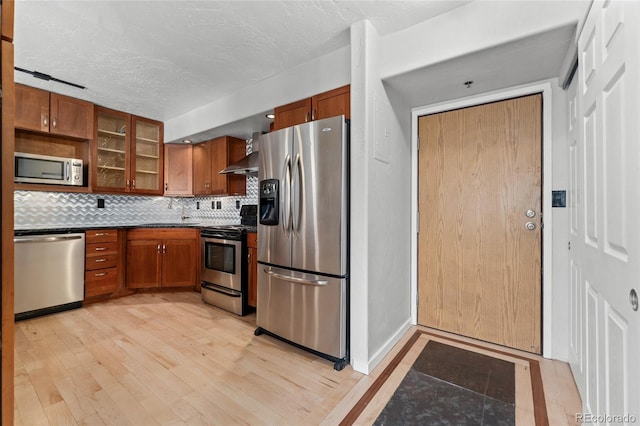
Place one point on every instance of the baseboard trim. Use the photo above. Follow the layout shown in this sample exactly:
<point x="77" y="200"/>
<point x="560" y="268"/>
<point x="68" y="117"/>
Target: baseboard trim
<point x="367" y="366"/>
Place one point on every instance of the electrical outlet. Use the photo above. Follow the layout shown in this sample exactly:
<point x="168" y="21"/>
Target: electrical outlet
<point x="218" y="205"/>
<point x="101" y="203"/>
<point x="213" y="205"/>
<point x="237" y="204"/>
<point x="197" y="205"/>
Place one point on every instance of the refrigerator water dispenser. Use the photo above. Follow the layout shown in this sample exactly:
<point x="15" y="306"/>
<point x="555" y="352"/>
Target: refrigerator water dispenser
<point x="269" y="202"/>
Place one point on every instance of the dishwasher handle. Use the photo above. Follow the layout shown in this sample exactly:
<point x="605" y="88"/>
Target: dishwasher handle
<point x="46" y="239"/>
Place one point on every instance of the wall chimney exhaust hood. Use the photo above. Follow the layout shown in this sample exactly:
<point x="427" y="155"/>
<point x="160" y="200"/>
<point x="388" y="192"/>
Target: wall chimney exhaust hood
<point x="248" y="165"/>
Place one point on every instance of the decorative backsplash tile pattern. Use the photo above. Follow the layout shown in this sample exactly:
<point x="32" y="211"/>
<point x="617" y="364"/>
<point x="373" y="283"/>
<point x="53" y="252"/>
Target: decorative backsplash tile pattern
<point x="41" y="210"/>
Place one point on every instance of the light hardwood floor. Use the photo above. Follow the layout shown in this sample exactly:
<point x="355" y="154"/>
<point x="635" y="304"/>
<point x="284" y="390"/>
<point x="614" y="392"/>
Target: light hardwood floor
<point x="167" y="358"/>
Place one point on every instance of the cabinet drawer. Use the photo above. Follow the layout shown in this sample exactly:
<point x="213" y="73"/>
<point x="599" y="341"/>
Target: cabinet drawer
<point x="97" y="249"/>
<point x="100" y="281"/>
<point x="252" y="239"/>
<point x="101" y="262"/>
<point x="101" y="235"/>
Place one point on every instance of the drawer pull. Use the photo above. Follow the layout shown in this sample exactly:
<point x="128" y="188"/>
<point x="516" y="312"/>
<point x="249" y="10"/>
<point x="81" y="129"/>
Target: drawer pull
<point x="101" y="274"/>
<point x="100" y="260"/>
<point x="101" y="248"/>
<point x="100" y="234"/>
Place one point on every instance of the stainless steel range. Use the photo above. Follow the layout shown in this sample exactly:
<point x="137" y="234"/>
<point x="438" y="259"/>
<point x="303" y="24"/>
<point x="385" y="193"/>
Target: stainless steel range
<point x="224" y="263"/>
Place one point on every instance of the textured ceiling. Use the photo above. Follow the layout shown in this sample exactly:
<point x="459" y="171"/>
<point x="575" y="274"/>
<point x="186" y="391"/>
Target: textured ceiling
<point x="160" y="59"/>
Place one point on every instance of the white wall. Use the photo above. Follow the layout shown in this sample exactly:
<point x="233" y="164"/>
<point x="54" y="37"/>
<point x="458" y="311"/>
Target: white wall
<point x="477" y="26"/>
<point x="319" y="75"/>
<point x="380" y="206"/>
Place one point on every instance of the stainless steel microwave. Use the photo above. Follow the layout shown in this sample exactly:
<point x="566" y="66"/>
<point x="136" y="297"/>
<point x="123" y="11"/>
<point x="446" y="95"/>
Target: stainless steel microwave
<point x="34" y="168"/>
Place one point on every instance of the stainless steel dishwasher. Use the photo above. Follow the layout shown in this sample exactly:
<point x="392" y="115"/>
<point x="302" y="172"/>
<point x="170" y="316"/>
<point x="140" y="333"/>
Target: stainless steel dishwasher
<point x="49" y="273"/>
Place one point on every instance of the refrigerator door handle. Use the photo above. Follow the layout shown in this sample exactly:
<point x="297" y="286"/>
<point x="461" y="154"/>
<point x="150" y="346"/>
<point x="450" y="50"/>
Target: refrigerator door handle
<point x="290" y="278"/>
<point x="286" y="197"/>
<point x="297" y="211"/>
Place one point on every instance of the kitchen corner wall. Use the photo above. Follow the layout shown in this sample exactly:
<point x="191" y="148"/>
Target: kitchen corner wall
<point x="40" y="210"/>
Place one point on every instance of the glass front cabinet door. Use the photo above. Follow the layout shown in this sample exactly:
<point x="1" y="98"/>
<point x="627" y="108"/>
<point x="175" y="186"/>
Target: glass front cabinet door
<point x="147" y="156"/>
<point x="111" y="156"/>
<point x="128" y="153"/>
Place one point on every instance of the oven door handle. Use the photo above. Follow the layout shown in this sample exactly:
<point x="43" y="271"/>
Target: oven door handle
<point x="294" y="279"/>
<point x="230" y="293"/>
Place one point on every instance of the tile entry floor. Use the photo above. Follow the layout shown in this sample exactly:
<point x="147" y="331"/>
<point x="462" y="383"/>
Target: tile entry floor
<point x="449" y="385"/>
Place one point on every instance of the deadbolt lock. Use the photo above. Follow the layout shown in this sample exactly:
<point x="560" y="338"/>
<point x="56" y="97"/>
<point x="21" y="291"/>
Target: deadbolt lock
<point x="530" y="213"/>
<point x="530" y="226"/>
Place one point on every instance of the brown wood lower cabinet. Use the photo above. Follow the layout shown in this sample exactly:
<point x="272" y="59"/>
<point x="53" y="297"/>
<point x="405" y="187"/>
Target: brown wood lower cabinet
<point x="162" y="257"/>
<point x="101" y="263"/>
<point x="252" y="246"/>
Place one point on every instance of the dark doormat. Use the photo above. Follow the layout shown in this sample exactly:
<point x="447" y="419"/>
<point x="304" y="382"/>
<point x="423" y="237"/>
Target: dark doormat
<point x="452" y="386"/>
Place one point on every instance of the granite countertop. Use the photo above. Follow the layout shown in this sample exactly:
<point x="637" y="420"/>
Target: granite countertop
<point x="74" y="229"/>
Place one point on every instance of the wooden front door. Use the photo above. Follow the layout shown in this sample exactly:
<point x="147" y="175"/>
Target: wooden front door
<point x="479" y="179"/>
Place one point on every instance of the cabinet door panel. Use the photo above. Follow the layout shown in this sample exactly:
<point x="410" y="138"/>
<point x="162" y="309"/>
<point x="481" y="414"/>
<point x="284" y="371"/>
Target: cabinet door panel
<point x="143" y="263"/>
<point x="202" y="168"/>
<point x="291" y="114"/>
<point x="332" y="103"/>
<point x="71" y="117"/>
<point x="147" y="156"/>
<point x="218" y="162"/>
<point x="252" y="296"/>
<point x="110" y="169"/>
<point x="32" y="109"/>
<point x="178" y="178"/>
<point x="179" y="263"/>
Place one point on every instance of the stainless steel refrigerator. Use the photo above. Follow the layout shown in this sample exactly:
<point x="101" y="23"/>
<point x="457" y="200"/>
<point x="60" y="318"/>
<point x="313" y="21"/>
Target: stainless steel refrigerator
<point x="303" y="247"/>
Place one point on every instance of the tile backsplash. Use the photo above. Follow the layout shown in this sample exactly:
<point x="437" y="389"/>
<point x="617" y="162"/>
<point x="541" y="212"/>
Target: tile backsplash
<point x="40" y="210"/>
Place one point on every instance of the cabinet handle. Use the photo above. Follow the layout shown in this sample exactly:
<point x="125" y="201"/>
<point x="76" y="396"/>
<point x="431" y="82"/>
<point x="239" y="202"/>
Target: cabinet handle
<point x="133" y="184"/>
<point x="128" y="183"/>
<point x="54" y="123"/>
<point x="100" y="234"/>
<point x="164" y="249"/>
<point x="158" y="248"/>
<point x="100" y="260"/>
<point x="166" y="186"/>
<point x="45" y="120"/>
<point x="101" y="248"/>
<point x="101" y="274"/>
<point x="313" y="115"/>
<point x="306" y="116"/>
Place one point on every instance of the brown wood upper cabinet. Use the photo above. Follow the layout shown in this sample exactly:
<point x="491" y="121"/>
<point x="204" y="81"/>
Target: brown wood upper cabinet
<point x="178" y="178"/>
<point x="209" y="158"/>
<point x="127" y="153"/>
<point x="324" y="105"/>
<point x="43" y="111"/>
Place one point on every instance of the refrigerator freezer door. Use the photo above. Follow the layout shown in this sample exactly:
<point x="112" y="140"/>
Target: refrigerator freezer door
<point x="319" y="197"/>
<point x="306" y="309"/>
<point x="274" y="244"/>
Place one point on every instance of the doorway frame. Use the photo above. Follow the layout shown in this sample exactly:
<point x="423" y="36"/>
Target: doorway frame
<point x="546" y="90"/>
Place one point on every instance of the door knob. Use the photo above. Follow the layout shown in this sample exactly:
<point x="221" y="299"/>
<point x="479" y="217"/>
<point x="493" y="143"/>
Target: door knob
<point x="530" y="226"/>
<point x="530" y="213"/>
<point x="633" y="298"/>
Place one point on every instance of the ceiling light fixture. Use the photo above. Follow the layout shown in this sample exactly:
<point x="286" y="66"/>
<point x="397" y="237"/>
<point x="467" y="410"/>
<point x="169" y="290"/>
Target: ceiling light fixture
<point x="468" y="83"/>
<point x="186" y="141"/>
<point x="270" y="116"/>
<point x="47" y="77"/>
